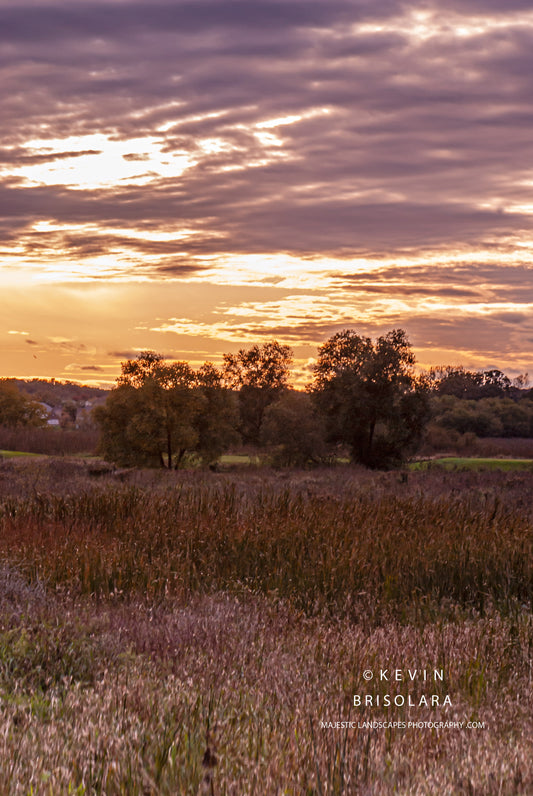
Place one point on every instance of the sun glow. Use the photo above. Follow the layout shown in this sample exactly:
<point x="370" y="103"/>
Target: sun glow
<point x="97" y="161"/>
<point x="126" y="233"/>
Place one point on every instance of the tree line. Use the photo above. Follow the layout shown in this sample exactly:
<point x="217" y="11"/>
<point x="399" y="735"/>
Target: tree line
<point x="364" y="398"/>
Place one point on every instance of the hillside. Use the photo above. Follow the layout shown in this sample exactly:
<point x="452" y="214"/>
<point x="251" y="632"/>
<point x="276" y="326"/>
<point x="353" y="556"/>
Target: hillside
<point x="57" y="393"/>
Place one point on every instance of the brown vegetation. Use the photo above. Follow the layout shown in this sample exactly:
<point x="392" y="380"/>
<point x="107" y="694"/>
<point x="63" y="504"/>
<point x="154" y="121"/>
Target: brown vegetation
<point x="189" y="632"/>
<point x="48" y="441"/>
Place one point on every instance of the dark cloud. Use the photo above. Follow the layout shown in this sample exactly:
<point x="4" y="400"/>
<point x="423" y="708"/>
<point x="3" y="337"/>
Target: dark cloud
<point x="466" y="335"/>
<point x="393" y="106"/>
<point x="415" y="290"/>
<point x="69" y="346"/>
<point x="306" y="332"/>
<point x="405" y="143"/>
<point x="22" y="158"/>
<point x="478" y="281"/>
<point x="511" y="317"/>
<point x="53" y="21"/>
<point x="122" y="354"/>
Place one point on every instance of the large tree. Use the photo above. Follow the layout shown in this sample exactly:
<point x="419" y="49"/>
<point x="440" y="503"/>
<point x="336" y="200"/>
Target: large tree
<point x="150" y="416"/>
<point x="370" y="396"/>
<point x="160" y="411"/>
<point x="259" y="375"/>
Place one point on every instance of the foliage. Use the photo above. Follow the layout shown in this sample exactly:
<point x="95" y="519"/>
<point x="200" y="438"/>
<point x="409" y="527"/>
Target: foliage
<point x="485" y="417"/>
<point x="295" y="430"/>
<point x="69" y="413"/>
<point x="468" y="384"/>
<point x="160" y="411"/>
<point x="16" y="409"/>
<point x="383" y="539"/>
<point x="370" y="397"/>
<point x="259" y="374"/>
<point x="56" y="392"/>
<point x="217" y="422"/>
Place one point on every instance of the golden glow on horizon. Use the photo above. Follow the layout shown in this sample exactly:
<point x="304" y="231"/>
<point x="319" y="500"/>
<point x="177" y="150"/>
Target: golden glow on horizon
<point x="300" y="312"/>
<point x="73" y="326"/>
<point x="84" y="275"/>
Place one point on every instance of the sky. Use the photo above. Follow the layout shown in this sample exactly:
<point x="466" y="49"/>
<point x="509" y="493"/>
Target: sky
<point x="197" y="177"/>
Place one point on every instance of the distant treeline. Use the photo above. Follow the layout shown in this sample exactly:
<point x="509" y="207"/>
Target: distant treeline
<point x="55" y="392"/>
<point x="365" y="399"/>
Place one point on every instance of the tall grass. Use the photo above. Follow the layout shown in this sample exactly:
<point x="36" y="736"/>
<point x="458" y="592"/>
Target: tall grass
<point x="348" y="555"/>
<point x="189" y="634"/>
<point x="146" y="692"/>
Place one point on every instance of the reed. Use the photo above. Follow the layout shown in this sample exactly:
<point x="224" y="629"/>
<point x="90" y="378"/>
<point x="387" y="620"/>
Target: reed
<point x="198" y="634"/>
<point x="403" y="556"/>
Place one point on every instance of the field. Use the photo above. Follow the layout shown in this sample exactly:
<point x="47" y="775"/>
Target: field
<point x="473" y="463"/>
<point x="199" y="632"/>
<point x="13" y="454"/>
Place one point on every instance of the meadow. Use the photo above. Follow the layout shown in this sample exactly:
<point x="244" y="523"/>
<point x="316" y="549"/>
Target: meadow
<point x="472" y="463"/>
<point x="198" y="632"/>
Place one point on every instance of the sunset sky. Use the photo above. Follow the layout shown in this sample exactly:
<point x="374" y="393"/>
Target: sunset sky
<point x="195" y="177"/>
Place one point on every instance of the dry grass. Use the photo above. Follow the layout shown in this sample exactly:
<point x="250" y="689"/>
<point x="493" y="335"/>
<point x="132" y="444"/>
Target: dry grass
<point x="512" y="447"/>
<point x="49" y="441"/>
<point x="259" y="678"/>
<point x="368" y="554"/>
<point x="142" y="625"/>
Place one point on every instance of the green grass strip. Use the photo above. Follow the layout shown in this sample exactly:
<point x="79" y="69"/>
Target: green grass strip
<point x="11" y="454"/>
<point x="472" y="463"/>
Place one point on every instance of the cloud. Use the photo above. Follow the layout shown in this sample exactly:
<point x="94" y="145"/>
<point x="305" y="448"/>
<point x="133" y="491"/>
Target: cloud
<point x="122" y="354"/>
<point x="53" y="22"/>
<point x="75" y="367"/>
<point x="353" y="130"/>
<point x="476" y="282"/>
<point x="362" y="177"/>
<point x="511" y="317"/>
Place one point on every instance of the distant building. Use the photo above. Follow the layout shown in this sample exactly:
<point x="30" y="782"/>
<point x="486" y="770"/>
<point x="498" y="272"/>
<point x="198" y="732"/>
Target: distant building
<point x="51" y="413"/>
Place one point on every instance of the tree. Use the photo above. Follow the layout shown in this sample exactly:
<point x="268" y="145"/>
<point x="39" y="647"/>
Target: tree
<point x="69" y="413"/>
<point x="469" y="384"/>
<point x="160" y="411"/>
<point x="16" y="409"/>
<point x="216" y="424"/>
<point x="495" y="384"/>
<point x="124" y="438"/>
<point x="259" y="374"/>
<point x="370" y="397"/>
<point x="295" y="430"/>
<point x="150" y="416"/>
